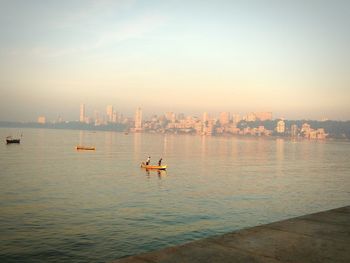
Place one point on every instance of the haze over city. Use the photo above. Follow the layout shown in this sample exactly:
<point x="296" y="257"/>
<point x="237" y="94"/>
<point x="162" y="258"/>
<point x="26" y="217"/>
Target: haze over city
<point x="290" y="58"/>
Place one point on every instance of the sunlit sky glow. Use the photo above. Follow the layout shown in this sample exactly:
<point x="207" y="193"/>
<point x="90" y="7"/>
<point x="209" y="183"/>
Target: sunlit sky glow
<point x="288" y="57"/>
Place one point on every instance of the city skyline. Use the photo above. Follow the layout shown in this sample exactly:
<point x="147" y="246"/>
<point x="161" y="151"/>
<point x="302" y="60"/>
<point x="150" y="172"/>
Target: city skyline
<point x="287" y="57"/>
<point x="111" y="114"/>
<point x="226" y="123"/>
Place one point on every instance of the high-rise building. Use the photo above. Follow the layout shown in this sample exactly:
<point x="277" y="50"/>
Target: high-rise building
<point x="281" y="127"/>
<point x="97" y="118"/>
<point x="170" y="116"/>
<point x="236" y="118"/>
<point x="41" y="119"/>
<point x="198" y="127"/>
<point x="210" y="128"/>
<point x="294" y="130"/>
<point x="138" y="120"/>
<point x="251" y="117"/>
<point x="59" y="119"/>
<point x="306" y="130"/>
<point x="109" y="112"/>
<point x="224" y="118"/>
<point x="82" y="113"/>
<point x="205" y="117"/>
<point x="115" y="117"/>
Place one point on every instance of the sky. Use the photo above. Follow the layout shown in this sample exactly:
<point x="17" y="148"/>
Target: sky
<point x="288" y="57"/>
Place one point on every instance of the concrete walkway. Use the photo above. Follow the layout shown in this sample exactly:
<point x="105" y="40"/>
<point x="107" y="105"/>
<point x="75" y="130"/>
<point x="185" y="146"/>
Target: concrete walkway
<point x="320" y="237"/>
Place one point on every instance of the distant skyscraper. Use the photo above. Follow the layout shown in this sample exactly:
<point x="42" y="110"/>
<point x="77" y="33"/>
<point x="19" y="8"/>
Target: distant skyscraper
<point x="205" y="117"/>
<point x="82" y="113"/>
<point x="306" y="130"/>
<point x="97" y="118"/>
<point x="41" y="119"/>
<point x="210" y="128"/>
<point x="109" y="112"/>
<point x="170" y="116"/>
<point x="138" y="120"/>
<point x="224" y="118"/>
<point x="59" y="119"/>
<point x="281" y="127"/>
<point x="251" y="117"/>
<point x="236" y="118"/>
<point x="294" y="130"/>
<point x="115" y="117"/>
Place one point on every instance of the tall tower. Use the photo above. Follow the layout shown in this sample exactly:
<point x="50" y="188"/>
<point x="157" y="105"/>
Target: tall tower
<point x="109" y="112"/>
<point x="280" y="126"/>
<point x="170" y="116"/>
<point x="236" y="118"/>
<point x="251" y="117"/>
<point x="42" y="119"/>
<point x="224" y="118"/>
<point x="205" y="117"/>
<point x="294" y="130"/>
<point x="115" y="117"/>
<point x="82" y="113"/>
<point x="138" y="120"/>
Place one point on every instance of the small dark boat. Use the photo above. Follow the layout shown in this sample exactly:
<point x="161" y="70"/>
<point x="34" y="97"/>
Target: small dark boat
<point x="9" y="140"/>
<point x="87" y="148"/>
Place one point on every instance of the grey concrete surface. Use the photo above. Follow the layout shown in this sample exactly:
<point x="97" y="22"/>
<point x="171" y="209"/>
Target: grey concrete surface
<point x="320" y="237"/>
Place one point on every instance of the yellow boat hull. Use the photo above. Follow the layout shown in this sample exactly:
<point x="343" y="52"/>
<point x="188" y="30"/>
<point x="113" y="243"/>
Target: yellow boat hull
<point x="154" y="167"/>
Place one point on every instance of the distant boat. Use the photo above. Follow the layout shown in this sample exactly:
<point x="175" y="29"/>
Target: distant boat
<point x="154" y="167"/>
<point x="9" y="140"/>
<point x="87" y="148"/>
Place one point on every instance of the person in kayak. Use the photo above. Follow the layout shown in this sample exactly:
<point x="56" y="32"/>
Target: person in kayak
<point x="148" y="160"/>
<point x="160" y="161"/>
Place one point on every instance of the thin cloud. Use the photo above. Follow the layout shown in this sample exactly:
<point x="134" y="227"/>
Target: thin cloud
<point x="138" y="28"/>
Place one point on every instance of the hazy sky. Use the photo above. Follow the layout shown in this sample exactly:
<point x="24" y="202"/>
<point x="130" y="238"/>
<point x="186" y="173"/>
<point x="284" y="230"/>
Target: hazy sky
<point x="288" y="57"/>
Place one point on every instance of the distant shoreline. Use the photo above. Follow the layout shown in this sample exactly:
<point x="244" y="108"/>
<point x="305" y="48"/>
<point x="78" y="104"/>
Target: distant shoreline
<point x="122" y="128"/>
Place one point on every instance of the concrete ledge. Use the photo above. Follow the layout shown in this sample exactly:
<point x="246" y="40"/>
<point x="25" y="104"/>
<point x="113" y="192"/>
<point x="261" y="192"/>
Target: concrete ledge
<point x="319" y="237"/>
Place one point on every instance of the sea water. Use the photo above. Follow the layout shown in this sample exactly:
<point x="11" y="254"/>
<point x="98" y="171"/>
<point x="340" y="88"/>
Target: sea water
<point x="62" y="205"/>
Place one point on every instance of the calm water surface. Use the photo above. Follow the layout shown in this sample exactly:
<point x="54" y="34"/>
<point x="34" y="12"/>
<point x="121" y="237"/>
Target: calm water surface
<point x="60" y="205"/>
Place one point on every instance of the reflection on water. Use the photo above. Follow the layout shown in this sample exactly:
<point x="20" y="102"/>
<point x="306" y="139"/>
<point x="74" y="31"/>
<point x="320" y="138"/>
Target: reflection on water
<point x="165" y="145"/>
<point x="159" y="173"/>
<point x="137" y="145"/>
<point x="58" y="204"/>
